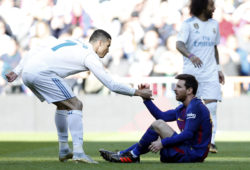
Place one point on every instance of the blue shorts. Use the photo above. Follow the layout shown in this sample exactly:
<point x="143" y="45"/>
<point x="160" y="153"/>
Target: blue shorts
<point x="181" y="154"/>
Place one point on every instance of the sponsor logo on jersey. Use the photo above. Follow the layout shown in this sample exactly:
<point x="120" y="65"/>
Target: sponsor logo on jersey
<point x="191" y="116"/>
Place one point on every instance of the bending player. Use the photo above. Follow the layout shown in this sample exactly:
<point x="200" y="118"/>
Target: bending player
<point x="43" y="71"/>
<point x="193" y="119"/>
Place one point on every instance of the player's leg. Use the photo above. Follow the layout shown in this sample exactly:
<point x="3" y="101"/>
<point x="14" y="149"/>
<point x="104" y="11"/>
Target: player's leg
<point x="74" y="111"/>
<point x="55" y="90"/>
<point x="61" y="121"/>
<point x="161" y="128"/>
<point x="210" y="92"/>
<point x="212" y="107"/>
<point x="158" y="128"/>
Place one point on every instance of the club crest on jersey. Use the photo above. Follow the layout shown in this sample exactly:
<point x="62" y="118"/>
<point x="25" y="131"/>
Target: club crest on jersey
<point x="196" y="26"/>
<point x="214" y="31"/>
<point x="191" y="116"/>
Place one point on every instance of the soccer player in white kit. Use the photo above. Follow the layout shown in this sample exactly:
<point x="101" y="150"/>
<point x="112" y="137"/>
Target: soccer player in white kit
<point x="43" y="71"/>
<point x="197" y="41"/>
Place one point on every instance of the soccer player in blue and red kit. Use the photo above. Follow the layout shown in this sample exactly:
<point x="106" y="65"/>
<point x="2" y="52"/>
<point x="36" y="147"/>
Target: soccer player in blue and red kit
<point x="193" y="119"/>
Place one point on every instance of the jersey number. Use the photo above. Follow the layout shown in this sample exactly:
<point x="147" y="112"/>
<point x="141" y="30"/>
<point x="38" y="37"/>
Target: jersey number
<point x="67" y="43"/>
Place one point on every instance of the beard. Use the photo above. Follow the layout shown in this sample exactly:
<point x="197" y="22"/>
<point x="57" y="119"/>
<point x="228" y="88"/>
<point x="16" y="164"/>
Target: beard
<point x="208" y="14"/>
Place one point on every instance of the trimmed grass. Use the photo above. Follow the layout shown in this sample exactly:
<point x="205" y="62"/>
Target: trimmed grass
<point x="43" y="155"/>
<point x="40" y="152"/>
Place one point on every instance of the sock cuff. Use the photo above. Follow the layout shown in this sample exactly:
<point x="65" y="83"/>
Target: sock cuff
<point x="62" y="112"/>
<point x="78" y="112"/>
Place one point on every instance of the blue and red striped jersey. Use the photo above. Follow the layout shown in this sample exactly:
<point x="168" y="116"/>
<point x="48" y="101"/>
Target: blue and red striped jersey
<point x="193" y="121"/>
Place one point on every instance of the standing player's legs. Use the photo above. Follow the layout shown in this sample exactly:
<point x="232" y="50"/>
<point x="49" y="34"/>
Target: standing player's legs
<point x="212" y="107"/>
<point x="54" y="90"/>
<point x="61" y="121"/>
<point x="210" y="92"/>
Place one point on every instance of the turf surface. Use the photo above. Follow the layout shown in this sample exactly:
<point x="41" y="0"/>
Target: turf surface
<point x="26" y="155"/>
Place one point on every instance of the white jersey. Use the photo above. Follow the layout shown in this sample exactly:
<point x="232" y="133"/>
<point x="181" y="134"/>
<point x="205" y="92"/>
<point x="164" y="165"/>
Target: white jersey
<point x="200" y="37"/>
<point x="68" y="57"/>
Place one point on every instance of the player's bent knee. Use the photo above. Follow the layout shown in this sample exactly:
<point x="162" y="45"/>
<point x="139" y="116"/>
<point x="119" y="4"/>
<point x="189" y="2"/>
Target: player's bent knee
<point x="158" y="124"/>
<point x="76" y="104"/>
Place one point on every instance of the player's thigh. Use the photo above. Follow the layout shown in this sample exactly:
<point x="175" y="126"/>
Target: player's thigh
<point x="209" y="90"/>
<point x="69" y="104"/>
<point x="175" y="154"/>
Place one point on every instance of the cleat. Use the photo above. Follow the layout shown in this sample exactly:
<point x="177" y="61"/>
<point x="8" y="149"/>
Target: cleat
<point x="65" y="154"/>
<point x="125" y="158"/>
<point x="106" y="154"/>
<point x="81" y="157"/>
<point x="213" y="148"/>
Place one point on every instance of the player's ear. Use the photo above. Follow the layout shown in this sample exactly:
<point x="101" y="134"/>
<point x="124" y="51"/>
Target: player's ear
<point x="190" y="90"/>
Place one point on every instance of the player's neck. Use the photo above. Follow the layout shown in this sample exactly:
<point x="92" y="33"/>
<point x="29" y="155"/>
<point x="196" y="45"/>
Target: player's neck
<point x="202" y="17"/>
<point x="188" y="100"/>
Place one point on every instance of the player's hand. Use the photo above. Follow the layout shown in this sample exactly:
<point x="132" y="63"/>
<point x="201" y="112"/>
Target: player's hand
<point x="143" y="86"/>
<point x="196" y="61"/>
<point x="144" y="93"/>
<point x="11" y="76"/>
<point x="221" y="77"/>
<point x="155" y="146"/>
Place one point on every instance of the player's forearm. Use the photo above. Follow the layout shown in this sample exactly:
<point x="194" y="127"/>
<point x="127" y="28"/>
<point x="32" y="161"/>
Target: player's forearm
<point x="177" y="138"/>
<point x="156" y="112"/>
<point x="181" y="47"/>
<point x="216" y="55"/>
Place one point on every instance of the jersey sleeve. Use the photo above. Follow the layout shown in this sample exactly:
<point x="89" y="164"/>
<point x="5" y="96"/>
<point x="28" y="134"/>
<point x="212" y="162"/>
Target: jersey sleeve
<point x="96" y="67"/>
<point x="191" y="126"/>
<point x="169" y="115"/>
<point x="183" y="33"/>
<point x="217" y="38"/>
<point x="19" y="68"/>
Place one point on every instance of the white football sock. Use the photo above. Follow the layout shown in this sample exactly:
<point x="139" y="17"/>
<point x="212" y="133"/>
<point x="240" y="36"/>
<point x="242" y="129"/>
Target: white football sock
<point x="212" y="107"/>
<point x="62" y="128"/>
<point x="76" y="129"/>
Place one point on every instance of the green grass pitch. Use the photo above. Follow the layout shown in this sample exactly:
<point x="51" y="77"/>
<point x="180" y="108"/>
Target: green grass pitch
<point x="29" y="151"/>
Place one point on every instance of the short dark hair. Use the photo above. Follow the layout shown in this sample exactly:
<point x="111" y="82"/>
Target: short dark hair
<point x="197" y="6"/>
<point x="190" y="81"/>
<point x="99" y="34"/>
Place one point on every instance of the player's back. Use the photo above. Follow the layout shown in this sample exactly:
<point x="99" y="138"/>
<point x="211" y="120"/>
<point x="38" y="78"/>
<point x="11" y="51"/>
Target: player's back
<point x="202" y="136"/>
<point x="62" y="58"/>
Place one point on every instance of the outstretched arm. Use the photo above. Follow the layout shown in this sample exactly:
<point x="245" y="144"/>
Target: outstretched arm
<point x="167" y="116"/>
<point x="96" y="67"/>
<point x="12" y="76"/>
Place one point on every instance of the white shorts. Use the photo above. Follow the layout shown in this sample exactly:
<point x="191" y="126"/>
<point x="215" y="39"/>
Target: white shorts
<point x="49" y="87"/>
<point x="209" y="90"/>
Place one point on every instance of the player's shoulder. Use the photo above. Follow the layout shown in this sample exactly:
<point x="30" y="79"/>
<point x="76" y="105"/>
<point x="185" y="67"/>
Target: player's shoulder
<point x="179" y="107"/>
<point x="213" y="21"/>
<point x="190" y="20"/>
<point x="196" y="103"/>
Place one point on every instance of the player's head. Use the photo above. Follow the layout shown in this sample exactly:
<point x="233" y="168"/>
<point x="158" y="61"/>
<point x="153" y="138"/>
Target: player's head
<point x="101" y="41"/>
<point x="187" y="85"/>
<point x="205" y="7"/>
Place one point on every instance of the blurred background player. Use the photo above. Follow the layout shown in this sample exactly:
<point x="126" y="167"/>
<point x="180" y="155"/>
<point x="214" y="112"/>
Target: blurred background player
<point x="197" y="41"/>
<point x="193" y="119"/>
<point x="43" y="70"/>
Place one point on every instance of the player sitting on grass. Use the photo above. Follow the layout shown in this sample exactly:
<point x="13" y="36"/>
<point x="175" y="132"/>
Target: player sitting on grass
<point x="193" y="120"/>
